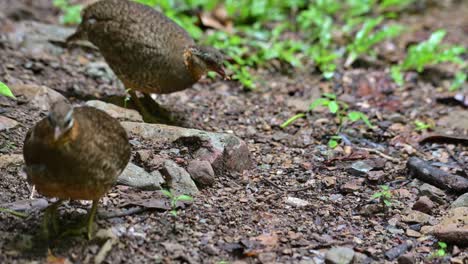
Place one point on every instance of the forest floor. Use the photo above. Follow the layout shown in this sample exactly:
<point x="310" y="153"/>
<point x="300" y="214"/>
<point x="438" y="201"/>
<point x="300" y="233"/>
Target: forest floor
<point x="300" y="198"/>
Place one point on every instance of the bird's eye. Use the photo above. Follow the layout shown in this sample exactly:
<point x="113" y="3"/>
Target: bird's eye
<point x="91" y="21"/>
<point x="68" y="123"/>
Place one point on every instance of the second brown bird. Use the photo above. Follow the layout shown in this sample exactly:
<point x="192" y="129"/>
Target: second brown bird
<point x="146" y="50"/>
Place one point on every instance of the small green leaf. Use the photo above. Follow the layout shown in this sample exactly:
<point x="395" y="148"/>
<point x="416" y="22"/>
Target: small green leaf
<point x="292" y="119"/>
<point x="384" y="187"/>
<point x="442" y="245"/>
<point x="397" y="75"/>
<point x="184" y="198"/>
<point x="174" y="213"/>
<point x="460" y="79"/>
<point x="333" y="107"/>
<point x="5" y="90"/>
<point x="332" y="143"/>
<point x="387" y="202"/>
<point x="166" y="193"/>
<point x="440" y="253"/>
<point x="376" y="195"/>
<point x="317" y="102"/>
<point x="354" y="116"/>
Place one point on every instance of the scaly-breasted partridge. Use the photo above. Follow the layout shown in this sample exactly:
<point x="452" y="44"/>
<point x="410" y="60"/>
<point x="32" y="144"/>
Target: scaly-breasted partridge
<point x="147" y="51"/>
<point x="75" y="153"/>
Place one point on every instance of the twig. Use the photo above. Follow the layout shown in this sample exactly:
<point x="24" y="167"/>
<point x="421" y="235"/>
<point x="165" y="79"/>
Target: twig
<point x="130" y="211"/>
<point x="383" y="155"/>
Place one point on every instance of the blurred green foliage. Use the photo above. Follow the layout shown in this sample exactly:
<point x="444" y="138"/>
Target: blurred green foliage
<point x="5" y="90"/>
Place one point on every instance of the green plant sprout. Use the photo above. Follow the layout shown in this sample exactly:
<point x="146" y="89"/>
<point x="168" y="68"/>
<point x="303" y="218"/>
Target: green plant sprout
<point x="441" y="252"/>
<point x="5" y="90"/>
<point x="366" y="38"/>
<point x="384" y="196"/>
<point x="12" y="212"/>
<point x="174" y="199"/>
<point x="71" y="13"/>
<point x="431" y="52"/>
<point x="337" y="108"/>
<point x="421" y="126"/>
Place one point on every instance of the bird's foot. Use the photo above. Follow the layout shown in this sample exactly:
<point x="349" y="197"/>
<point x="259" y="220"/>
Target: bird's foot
<point x="51" y="219"/>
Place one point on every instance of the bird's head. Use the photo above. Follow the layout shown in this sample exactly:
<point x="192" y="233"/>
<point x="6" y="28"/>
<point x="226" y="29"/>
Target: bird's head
<point x="60" y="118"/>
<point x="204" y="59"/>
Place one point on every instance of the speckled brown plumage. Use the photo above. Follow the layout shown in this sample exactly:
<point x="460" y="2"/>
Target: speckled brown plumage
<point x="82" y="164"/>
<point x="147" y="51"/>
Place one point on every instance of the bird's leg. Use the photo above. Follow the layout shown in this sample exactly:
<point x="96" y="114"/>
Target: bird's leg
<point x="92" y="215"/>
<point x="51" y="216"/>
<point x="151" y="112"/>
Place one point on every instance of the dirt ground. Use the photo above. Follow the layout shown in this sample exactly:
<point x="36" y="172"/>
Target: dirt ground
<point x="252" y="217"/>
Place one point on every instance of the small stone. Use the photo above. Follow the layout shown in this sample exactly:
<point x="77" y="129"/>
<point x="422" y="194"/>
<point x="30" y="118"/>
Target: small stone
<point x="38" y="96"/>
<point x="339" y="255"/>
<point x="434" y="193"/>
<point x="360" y="258"/>
<point x="416" y="217"/>
<point x="116" y="111"/>
<point x="412" y="233"/>
<point x="360" y="168"/>
<point x="297" y="202"/>
<point x="7" y="123"/>
<point x="453" y="228"/>
<point x="10" y="160"/>
<point x="267" y="257"/>
<point x="202" y="172"/>
<point x="424" y="204"/>
<point x="396" y="251"/>
<point x="427" y="229"/>
<point x="376" y="176"/>
<point x="352" y="186"/>
<point x="137" y="177"/>
<point x="329" y="181"/>
<point x="461" y="201"/>
<point x="407" y="258"/>
<point x="222" y="150"/>
<point x="178" y="179"/>
<point x="144" y="155"/>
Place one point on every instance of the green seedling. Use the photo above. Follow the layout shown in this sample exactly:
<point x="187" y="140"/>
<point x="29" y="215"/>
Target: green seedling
<point x="337" y="108"/>
<point x="12" y="212"/>
<point x="384" y="196"/>
<point x="441" y="252"/>
<point x="367" y="37"/>
<point x="71" y="13"/>
<point x="421" y="126"/>
<point x="430" y="52"/>
<point x="174" y="199"/>
<point x="5" y="90"/>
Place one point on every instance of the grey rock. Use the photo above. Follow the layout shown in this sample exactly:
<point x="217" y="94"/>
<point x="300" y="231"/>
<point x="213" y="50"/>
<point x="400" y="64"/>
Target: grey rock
<point x="407" y="258"/>
<point x="116" y="111"/>
<point x="339" y="255"/>
<point x="223" y="151"/>
<point x="424" y="204"/>
<point x="137" y="177"/>
<point x="100" y="70"/>
<point x="36" y="39"/>
<point x="360" y="258"/>
<point x="297" y="202"/>
<point x="416" y="217"/>
<point x="7" y="123"/>
<point x="397" y="251"/>
<point x="461" y="201"/>
<point x="436" y="194"/>
<point x="456" y="119"/>
<point x="38" y="96"/>
<point x="10" y="160"/>
<point x="202" y="172"/>
<point x="453" y="228"/>
<point x="178" y="179"/>
<point x="360" y="168"/>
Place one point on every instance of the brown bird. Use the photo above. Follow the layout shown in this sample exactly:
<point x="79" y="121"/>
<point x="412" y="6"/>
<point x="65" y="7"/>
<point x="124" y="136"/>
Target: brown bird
<point x="75" y="153"/>
<point x="147" y="51"/>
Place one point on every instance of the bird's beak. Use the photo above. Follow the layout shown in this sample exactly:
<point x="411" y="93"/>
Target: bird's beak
<point x="57" y="132"/>
<point x="221" y="72"/>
